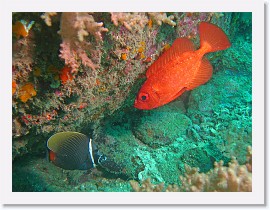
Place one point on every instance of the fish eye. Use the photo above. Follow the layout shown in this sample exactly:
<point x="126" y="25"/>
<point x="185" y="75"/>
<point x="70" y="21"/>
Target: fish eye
<point x="143" y="97"/>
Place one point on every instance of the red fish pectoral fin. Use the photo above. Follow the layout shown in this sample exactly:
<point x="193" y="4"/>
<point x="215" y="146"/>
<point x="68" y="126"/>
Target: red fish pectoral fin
<point x="181" y="92"/>
<point x="178" y="47"/>
<point x="213" y="36"/>
<point x="203" y="74"/>
<point x="178" y="94"/>
<point x="167" y="99"/>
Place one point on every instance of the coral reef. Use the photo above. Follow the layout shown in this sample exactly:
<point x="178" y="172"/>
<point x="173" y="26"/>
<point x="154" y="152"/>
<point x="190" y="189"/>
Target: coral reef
<point x="81" y="72"/>
<point x="153" y="143"/>
<point x="234" y="178"/>
<point x="225" y="118"/>
<point x="103" y="69"/>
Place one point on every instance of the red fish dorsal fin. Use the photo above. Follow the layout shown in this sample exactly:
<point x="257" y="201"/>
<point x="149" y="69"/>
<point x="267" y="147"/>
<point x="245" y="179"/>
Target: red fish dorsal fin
<point x="182" y="45"/>
<point x="203" y="74"/>
<point x="178" y="47"/>
<point x="213" y="36"/>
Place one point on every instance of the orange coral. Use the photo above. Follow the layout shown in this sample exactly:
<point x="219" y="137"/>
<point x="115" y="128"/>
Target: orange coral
<point x="142" y="56"/>
<point x="82" y="105"/>
<point x="166" y="47"/>
<point x="26" y="92"/>
<point x="148" y="60"/>
<point x="14" y="86"/>
<point x="66" y="75"/>
<point x="142" y="47"/>
<point x="19" y="29"/>
<point x="124" y="56"/>
<point x="98" y="82"/>
<point x="150" y="23"/>
<point x="141" y="50"/>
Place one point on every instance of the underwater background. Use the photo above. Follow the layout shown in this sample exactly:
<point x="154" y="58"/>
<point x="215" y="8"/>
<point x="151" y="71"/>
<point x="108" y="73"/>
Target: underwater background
<point x="82" y="71"/>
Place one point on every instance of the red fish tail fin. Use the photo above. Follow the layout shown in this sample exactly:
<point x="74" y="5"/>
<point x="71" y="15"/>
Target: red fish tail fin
<point x="213" y="38"/>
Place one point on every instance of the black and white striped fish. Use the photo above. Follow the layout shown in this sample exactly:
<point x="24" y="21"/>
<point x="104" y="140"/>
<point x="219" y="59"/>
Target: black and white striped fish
<point x="73" y="150"/>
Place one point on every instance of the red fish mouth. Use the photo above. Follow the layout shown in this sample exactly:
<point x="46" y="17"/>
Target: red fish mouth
<point x="141" y="106"/>
<point x="136" y="103"/>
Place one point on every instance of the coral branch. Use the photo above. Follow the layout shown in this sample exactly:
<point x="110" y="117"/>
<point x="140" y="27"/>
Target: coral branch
<point x="234" y="178"/>
<point x="129" y="20"/>
<point x="46" y="16"/>
<point x="161" y="17"/>
<point x="75" y="49"/>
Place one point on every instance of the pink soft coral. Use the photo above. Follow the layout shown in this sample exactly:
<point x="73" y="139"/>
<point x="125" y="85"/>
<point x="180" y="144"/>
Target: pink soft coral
<point x="75" y="49"/>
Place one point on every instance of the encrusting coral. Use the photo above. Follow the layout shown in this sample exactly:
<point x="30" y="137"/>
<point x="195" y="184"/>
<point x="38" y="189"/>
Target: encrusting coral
<point x="234" y="178"/>
<point x="26" y="92"/>
<point x="14" y="87"/>
<point x="65" y="75"/>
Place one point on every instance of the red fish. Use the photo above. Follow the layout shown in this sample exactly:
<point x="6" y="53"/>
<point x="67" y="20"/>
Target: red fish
<point x="181" y="68"/>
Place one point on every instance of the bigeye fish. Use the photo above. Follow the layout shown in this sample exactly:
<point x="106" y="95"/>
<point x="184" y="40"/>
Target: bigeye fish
<point x="75" y="151"/>
<point x="181" y="68"/>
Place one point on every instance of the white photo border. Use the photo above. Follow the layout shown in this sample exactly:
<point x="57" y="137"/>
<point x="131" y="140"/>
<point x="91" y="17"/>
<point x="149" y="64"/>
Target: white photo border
<point x="257" y="196"/>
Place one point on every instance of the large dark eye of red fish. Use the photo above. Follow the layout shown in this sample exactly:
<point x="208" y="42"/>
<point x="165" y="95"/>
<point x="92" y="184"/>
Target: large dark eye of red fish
<point x="144" y="97"/>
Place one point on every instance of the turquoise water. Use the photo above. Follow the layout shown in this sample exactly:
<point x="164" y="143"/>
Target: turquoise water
<point x="66" y="80"/>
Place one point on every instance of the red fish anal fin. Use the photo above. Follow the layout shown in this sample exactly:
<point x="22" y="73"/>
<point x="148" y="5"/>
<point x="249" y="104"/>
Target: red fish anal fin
<point x="203" y="74"/>
<point x="178" y="47"/>
<point x="214" y="36"/>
